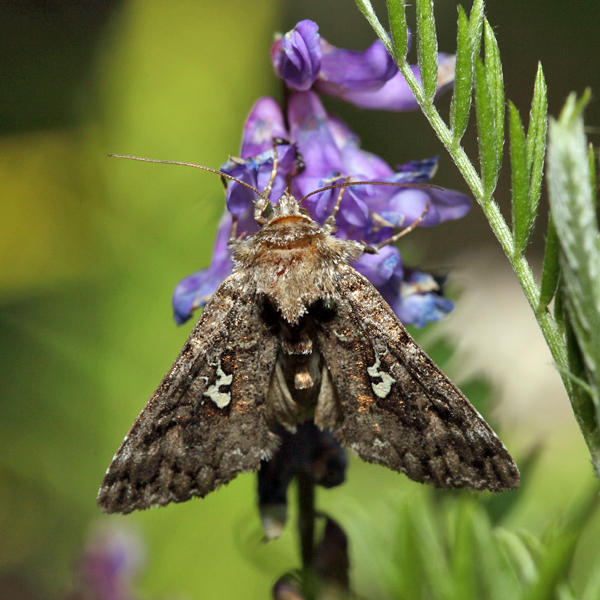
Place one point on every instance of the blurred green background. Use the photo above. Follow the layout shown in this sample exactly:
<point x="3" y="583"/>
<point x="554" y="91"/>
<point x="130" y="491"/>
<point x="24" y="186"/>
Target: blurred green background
<point x="91" y="249"/>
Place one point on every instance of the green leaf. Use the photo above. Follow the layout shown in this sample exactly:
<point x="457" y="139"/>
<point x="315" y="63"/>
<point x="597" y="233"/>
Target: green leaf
<point x="463" y="555"/>
<point x="493" y="71"/>
<point x="550" y="267"/>
<point x="520" y="555"/>
<point x="573" y="211"/>
<point x="463" y="84"/>
<point x="427" y="48"/>
<point x="475" y="27"/>
<point x="486" y="130"/>
<point x="366" y="8"/>
<point x="536" y="139"/>
<point x="398" y="27"/>
<point x="494" y="570"/>
<point x="521" y="215"/>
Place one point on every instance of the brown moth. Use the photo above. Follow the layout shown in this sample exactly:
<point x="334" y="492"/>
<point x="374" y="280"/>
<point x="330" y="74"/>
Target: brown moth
<point x="294" y="334"/>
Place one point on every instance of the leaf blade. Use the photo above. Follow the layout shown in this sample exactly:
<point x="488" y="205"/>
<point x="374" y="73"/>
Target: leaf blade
<point x="521" y="216"/>
<point x="550" y="267"/>
<point x="495" y="79"/>
<point x="397" y="18"/>
<point x="427" y="48"/>
<point x="463" y="84"/>
<point x="486" y="130"/>
<point x="536" y="139"/>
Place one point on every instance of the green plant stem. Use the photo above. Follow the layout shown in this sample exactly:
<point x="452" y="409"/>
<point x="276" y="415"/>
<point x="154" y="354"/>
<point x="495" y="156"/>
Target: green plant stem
<point x="550" y="329"/>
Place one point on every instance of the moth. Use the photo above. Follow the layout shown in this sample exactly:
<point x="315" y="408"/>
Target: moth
<point x="296" y="334"/>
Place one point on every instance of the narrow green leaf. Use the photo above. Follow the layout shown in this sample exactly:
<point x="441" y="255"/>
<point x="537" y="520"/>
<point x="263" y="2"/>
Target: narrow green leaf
<point x="493" y="71"/>
<point x="574" y="215"/>
<point x="427" y="48"/>
<point x="463" y="84"/>
<point x="430" y="557"/>
<point x="581" y="399"/>
<point x="476" y="27"/>
<point x="495" y="573"/>
<point x="463" y="555"/>
<point x="519" y="554"/>
<point x="521" y="216"/>
<point x="366" y="8"/>
<point x="593" y="180"/>
<point x="560" y="309"/>
<point x="536" y="139"/>
<point x="550" y="268"/>
<point x="397" y="17"/>
<point x="486" y="130"/>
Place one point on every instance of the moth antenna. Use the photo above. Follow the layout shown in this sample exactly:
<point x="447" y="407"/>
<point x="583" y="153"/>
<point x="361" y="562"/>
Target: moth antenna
<point x="347" y="184"/>
<point x="401" y="233"/>
<point x="188" y="164"/>
<point x="330" y="224"/>
<point x="261" y="205"/>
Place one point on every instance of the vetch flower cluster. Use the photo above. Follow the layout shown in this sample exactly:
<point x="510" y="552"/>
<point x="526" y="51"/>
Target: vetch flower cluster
<point x="316" y="149"/>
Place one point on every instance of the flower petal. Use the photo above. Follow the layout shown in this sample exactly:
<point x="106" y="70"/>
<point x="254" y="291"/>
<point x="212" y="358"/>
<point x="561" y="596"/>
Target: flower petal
<point x="395" y="95"/>
<point x="309" y="127"/>
<point x="345" y="71"/>
<point x="409" y="204"/>
<point x="195" y="290"/>
<point x="417" y="298"/>
<point x="297" y="55"/>
<point x="379" y="268"/>
<point x="264" y="122"/>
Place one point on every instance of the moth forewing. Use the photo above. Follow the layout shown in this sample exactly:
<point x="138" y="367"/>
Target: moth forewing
<point x="204" y="423"/>
<point x="398" y="408"/>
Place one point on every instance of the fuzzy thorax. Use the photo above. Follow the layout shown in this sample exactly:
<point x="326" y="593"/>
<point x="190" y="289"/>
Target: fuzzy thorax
<point x="292" y="260"/>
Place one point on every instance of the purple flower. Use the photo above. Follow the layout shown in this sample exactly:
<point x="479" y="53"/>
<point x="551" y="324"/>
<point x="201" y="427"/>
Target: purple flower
<point x="297" y="55"/>
<point x="417" y="298"/>
<point x="110" y="562"/>
<point x="369" y="78"/>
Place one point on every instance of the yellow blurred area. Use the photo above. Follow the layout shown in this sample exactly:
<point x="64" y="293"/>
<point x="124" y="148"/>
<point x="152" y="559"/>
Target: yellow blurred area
<point x="45" y="236"/>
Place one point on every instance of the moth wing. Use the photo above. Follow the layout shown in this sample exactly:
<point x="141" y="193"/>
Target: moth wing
<point x="397" y="408"/>
<point x="204" y="423"/>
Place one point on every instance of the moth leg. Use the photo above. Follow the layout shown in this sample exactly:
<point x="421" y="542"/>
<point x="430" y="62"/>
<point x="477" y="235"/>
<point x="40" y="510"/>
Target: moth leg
<point x="330" y="225"/>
